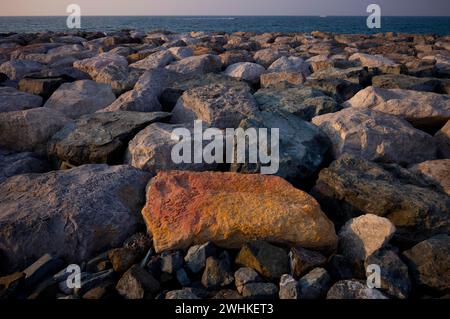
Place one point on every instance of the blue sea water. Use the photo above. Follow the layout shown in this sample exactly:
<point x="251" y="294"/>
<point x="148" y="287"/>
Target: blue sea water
<point x="426" y="25"/>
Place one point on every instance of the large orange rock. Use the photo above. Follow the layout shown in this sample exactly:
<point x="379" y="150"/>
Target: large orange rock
<point x="230" y="209"/>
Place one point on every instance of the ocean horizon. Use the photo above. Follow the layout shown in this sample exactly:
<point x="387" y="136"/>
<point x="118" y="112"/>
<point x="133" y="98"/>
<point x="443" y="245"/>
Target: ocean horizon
<point x="439" y="25"/>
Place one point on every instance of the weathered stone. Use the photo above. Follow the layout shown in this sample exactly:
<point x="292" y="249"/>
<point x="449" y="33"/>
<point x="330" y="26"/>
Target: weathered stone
<point x="13" y="100"/>
<point x="43" y="87"/>
<point x="80" y="98"/>
<point x="30" y="130"/>
<point x="171" y="262"/>
<point x="227" y="294"/>
<point x="181" y="294"/>
<point x="246" y="71"/>
<point x="314" y="285"/>
<point x="84" y="210"/>
<point x="11" y="285"/>
<point x="288" y="288"/>
<point x="406" y="82"/>
<point x="181" y="52"/>
<point x="260" y="290"/>
<point x="103" y="291"/>
<point x="197" y="65"/>
<point x="217" y="272"/>
<point x="437" y="171"/>
<point x="268" y="260"/>
<point x="100" y="137"/>
<point x="41" y="268"/>
<point x="156" y="60"/>
<point x="428" y="263"/>
<point x="183" y="277"/>
<point x="377" y="61"/>
<point x="232" y="211"/>
<point x="358" y="75"/>
<point x="442" y="139"/>
<point x="266" y="57"/>
<point x="244" y="276"/>
<point x="196" y="256"/>
<point x="353" y="289"/>
<point x="281" y="80"/>
<point x="375" y="136"/>
<point x="339" y="89"/>
<point x="137" y="283"/>
<point x="12" y="163"/>
<point x="93" y="281"/>
<point x="122" y="259"/>
<point x="18" y="69"/>
<point x="235" y="56"/>
<point x="304" y="260"/>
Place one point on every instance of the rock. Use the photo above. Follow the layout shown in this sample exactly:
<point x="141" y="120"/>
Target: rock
<point x="137" y="283"/>
<point x="11" y="285"/>
<point x="235" y="56"/>
<point x="377" y="61"/>
<point x="139" y="242"/>
<point x="303" y="102"/>
<point x="302" y="147"/>
<point x="43" y="267"/>
<point x="84" y="210"/>
<point x="353" y="289"/>
<point x="428" y="263"/>
<point x="314" y="285"/>
<point x="406" y="82"/>
<point x="100" y="137"/>
<point x="156" y="60"/>
<point x="13" y="100"/>
<point x="421" y="109"/>
<point x="339" y="89"/>
<point x="394" y="273"/>
<point x="12" y="163"/>
<point x="288" y="288"/>
<point x="340" y="267"/>
<point x="181" y="52"/>
<point x="181" y="294"/>
<point x="235" y="200"/>
<point x="268" y="260"/>
<point x="18" y="69"/>
<point x="197" y="65"/>
<point x="227" y="294"/>
<point x="103" y="291"/>
<point x="375" y="136"/>
<point x="442" y="139"/>
<point x="218" y="105"/>
<point x="93" y="281"/>
<point x="360" y="237"/>
<point x="352" y="186"/>
<point x="80" y="98"/>
<point x="196" y="256"/>
<point x="281" y="80"/>
<point x="93" y="66"/>
<point x="437" y="171"/>
<point x="30" y="130"/>
<point x="266" y="57"/>
<point x="260" y="290"/>
<point x="304" y="260"/>
<point x="151" y="150"/>
<point x="217" y="272"/>
<point x="246" y="71"/>
<point x="122" y="259"/>
<point x="358" y="75"/>
<point x="244" y="276"/>
<point x="43" y="87"/>
<point x="171" y="262"/>
<point x="290" y="64"/>
<point x="183" y="277"/>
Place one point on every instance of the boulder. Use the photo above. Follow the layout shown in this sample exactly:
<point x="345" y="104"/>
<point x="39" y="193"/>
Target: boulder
<point x="406" y="82"/>
<point x="30" y="130"/>
<point x="442" y="139"/>
<point x="353" y="186"/>
<point x="260" y="290"/>
<point x="234" y="209"/>
<point x="18" y="69"/>
<point x="80" y="98"/>
<point x="305" y="103"/>
<point x="377" y="61"/>
<point x="13" y="100"/>
<point x="12" y="163"/>
<point x="137" y="283"/>
<point x="353" y="289"/>
<point x="302" y="260"/>
<point x="100" y="137"/>
<point x="196" y="256"/>
<point x="376" y="136"/>
<point x="217" y="272"/>
<point x="84" y="210"/>
<point x="281" y="80"/>
<point x="181" y="52"/>
<point x="358" y="75"/>
<point x="43" y="87"/>
<point x="422" y="109"/>
<point x="288" y="287"/>
<point x="182" y="294"/>
<point x="266" y="57"/>
<point x="314" y="285"/>
<point x="219" y="105"/>
<point x="156" y="60"/>
<point x="197" y="65"/>
<point x="244" y="276"/>
<point x="339" y="89"/>
<point x="235" y="56"/>
<point x="437" y="171"/>
<point x="246" y="71"/>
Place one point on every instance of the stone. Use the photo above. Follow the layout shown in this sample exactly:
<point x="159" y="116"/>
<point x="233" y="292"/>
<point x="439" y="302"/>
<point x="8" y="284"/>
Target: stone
<point x="303" y="102"/>
<point x="183" y="277"/>
<point x="437" y="171"/>
<point x="302" y="260"/>
<point x="218" y="105"/>
<point x="314" y="285"/>
<point x="235" y="56"/>
<point x="217" y="272"/>
<point x="353" y="289"/>
<point x="302" y="147"/>
<point x="266" y="57"/>
<point x="260" y="290"/>
<point x="156" y="60"/>
<point x="30" y="130"/>
<point x="442" y="139"/>
<point x="268" y="260"/>
<point x="122" y="259"/>
<point x="151" y="150"/>
<point x="137" y="283"/>
<point x="94" y="280"/>
<point x="93" y="66"/>
<point x="11" y="285"/>
<point x="352" y="186"/>
<point x="377" y="61"/>
<point x="181" y="52"/>
<point x="288" y="287"/>
<point x="197" y="65"/>
<point x="358" y="75"/>
<point x="285" y="215"/>
<point x="80" y="98"/>
<point x="41" y="268"/>
<point x="196" y="256"/>
<point x="340" y="267"/>
<point x="339" y="89"/>
<point x="84" y="210"/>
<point x="246" y="71"/>
<point x="227" y="294"/>
<point x="14" y="100"/>
<point x="395" y="280"/>
<point x="18" y="69"/>
<point x="139" y="242"/>
<point x="244" y="276"/>
<point x="171" y="262"/>
<point x="281" y="80"/>
<point x="407" y="82"/>
<point x="375" y="136"/>
<point x="182" y="294"/>
<point x="428" y="263"/>
<point x="43" y="87"/>
<point x="12" y="163"/>
<point x="103" y="291"/>
<point x="100" y="137"/>
<point x="421" y="109"/>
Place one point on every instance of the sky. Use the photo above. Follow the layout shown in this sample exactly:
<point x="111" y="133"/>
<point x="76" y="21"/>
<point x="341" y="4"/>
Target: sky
<point x="224" y="7"/>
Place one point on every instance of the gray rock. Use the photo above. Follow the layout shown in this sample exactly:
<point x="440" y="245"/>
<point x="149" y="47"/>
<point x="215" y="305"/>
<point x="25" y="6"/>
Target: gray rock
<point x="84" y="210"/>
<point x="339" y="89"/>
<point x="442" y="139"/>
<point x="217" y="272"/>
<point x="183" y="277"/>
<point x="353" y="289"/>
<point x="266" y="57"/>
<point x="197" y="65"/>
<point x="358" y="75"/>
<point x="304" y="260"/>
<point x="246" y="71"/>
<point x="13" y="100"/>
<point x="288" y="287"/>
<point x="171" y="262"/>
<point x="181" y="294"/>
<point x="406" y="82"/>
<point x="314" y="285"/>
<point x="12" y="163"/>
<point x="244" y="276"/>
<point x="260" y="290"/>
<point x="156" y="60"/>
<point x="95" y="280"/>
<point x="196" y="256"/>
<point x="41" y="268"/>
<point x="123" y="258"/>
<point x="18" y="69"/>
<point x="43" y="87"/>
<point x="137" y="283"/>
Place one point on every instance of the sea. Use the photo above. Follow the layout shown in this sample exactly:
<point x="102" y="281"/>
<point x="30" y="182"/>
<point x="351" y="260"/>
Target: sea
<point x="342" y="24"/>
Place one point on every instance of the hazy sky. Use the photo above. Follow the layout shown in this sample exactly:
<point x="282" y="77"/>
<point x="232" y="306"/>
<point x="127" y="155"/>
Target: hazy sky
<point x="224" y="7"/>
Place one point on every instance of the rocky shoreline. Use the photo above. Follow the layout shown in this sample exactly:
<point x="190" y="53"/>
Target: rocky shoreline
<point x="86" y="175"/>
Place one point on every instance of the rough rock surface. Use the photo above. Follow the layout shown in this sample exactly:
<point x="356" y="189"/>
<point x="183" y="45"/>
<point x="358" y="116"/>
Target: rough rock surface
<point x="13" y="100"/>
<point x="197" y="65"/>
<point x="12" y="163"/>
<point x="353" y="289"/>
<point x="246" y="71"/>
<point x="442" y="139"/>
<point x="437" y="171"/>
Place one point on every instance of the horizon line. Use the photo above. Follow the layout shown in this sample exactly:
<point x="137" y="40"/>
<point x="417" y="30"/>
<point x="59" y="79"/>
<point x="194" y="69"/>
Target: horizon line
<point x="226" y="15"/>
